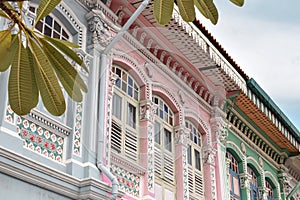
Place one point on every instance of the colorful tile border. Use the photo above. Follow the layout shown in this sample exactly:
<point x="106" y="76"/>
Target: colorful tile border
<point x="128" y="182"/>
<point x="40" y="140"/>
<point x="10" y="115"/>
<point x="77" y="128"/>
<point x="150" y="169"/>
<point x="185" y="174"/>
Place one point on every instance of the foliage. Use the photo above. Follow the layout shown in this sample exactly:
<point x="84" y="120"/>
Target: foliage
<point x="37" y="63"/>
<point x="163" y="9"/>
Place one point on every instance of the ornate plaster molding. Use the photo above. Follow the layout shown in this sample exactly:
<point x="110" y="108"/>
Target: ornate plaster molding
<point x="147" y="110"/>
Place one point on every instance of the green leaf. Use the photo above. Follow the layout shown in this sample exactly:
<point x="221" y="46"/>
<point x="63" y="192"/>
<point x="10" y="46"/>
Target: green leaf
<point x="163" y="10"/>
<point x="5" y="42"/>
<point x="45" y="7"/>
<point x="63" y="46"/>
<point x="22" y="92"/>
<point x="3" y="14"/>
<point x="238" y="2"/>
<point x="186" y="10"/>
<point x="211" y="10"/>
<point x="10" y="54"/>
<point x="201" y="8"/>
<point x="66" y="73"/>
<point x="20" y="4"/>
<point x="47" y="82"/>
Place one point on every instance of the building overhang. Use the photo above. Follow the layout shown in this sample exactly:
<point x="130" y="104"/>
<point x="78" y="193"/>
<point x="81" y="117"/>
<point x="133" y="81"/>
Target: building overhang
<point x="264" y="123"/>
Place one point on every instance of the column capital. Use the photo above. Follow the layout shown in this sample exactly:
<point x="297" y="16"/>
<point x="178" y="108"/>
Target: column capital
<point x="263" y="192"/>
<point x="147" y="110"/>
<point x="181" y="135"/>
<point x="245" y="180"/>
<point x="101" y="30"/>
<point x="209" y="155"/>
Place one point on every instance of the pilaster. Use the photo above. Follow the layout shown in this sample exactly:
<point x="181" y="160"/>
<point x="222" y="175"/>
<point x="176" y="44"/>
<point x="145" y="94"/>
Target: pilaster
<point x="181" y="165"/>
<point x="284" y="182"/>
<point x="215" y="153"/>
<point x="245" y="184"/>
<point x="147" y="115"/>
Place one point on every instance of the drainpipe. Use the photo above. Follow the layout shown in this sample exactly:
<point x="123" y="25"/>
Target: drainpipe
<point x="293" y="191"/>
<point x="101" y="116"/>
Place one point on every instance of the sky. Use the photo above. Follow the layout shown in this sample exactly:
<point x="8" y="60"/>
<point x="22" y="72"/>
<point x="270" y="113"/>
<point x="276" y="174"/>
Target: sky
<point x="263" y="37"/>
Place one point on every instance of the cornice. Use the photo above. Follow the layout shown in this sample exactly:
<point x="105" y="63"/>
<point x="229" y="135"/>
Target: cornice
<point x="127" y="164"/>
<point x="48" y="123"/>
<point x="43" y="176"/>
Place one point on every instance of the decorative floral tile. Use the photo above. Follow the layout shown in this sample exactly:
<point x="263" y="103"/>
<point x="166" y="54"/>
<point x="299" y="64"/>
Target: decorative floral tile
<point x="128" y="182"/>
<point x="77" y="133"/>
<point x="10" y="115"/>
<point x="40" y="140"/>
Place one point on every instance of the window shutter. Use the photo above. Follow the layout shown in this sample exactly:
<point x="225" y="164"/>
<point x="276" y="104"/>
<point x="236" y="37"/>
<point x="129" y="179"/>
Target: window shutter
<point x="199" y="184"/>
<point x="116" y="137"/>
<point x="157" y="160"/>
<point x="168" y="167"/>
<point x="191" y="180"/>
<point x="131" y="145"/>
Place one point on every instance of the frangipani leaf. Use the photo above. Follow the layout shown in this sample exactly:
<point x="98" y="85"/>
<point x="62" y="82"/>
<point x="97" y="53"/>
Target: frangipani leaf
<point x="20" y="4"/>
<point x="186" y="10"/>
<point x="66" y="73"/>
<point x="238" y="2"/>
<point x="63" y="46"/>
<point x="22" y="92"/>
<point x="163" y="10"/>
<point x="5" y="42"/>
<point x="47" y="82"/>
<point x="3" y="14"/>
<point x="7" y="60"/>
<point x="45" y="7"/>
<point x="211" y="10"/>
<point x="201" y="8"/>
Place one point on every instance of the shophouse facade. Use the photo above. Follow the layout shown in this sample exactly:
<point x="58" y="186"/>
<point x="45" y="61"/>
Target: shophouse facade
<point x="169" y="115"/>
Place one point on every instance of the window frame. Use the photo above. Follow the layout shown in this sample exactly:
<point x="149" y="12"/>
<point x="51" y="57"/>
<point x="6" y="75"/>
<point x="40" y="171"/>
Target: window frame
<point x="164" y="155"/>
<point x="254" y="193"/>
<point x="271" y="190"/>
<point x="195" y="173"/>
<point x="129" y="130"/>
<point x="234" y="173"/>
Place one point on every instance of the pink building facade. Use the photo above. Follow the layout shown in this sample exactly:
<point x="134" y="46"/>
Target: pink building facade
<point x="165" y="91"/>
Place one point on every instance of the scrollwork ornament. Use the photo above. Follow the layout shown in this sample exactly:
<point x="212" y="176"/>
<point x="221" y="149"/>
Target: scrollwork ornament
<point x="209" y="156"/>
<point x="101" y="31"/>
<point x="148" y="111"/>
<point x="181" y="136"/>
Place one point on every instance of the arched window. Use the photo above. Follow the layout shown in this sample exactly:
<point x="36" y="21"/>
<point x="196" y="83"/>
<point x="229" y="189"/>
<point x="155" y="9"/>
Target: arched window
<point x="125" y="106"/>
<point x="164" y="148"/>
<point x="195" y="175"/>
<point x="50" y="26"/>
<point x="253" y="184"/>
<point x="234" y="178"/>
<point x="270" y="190"/>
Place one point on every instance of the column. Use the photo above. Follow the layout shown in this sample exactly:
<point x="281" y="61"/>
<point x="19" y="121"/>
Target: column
<point x="181" y="165"/>
<point x="245" y="184"/>
<point x="215" y="154"/>
<point x="147" y="114"/>
<point x="284" y="183"/>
